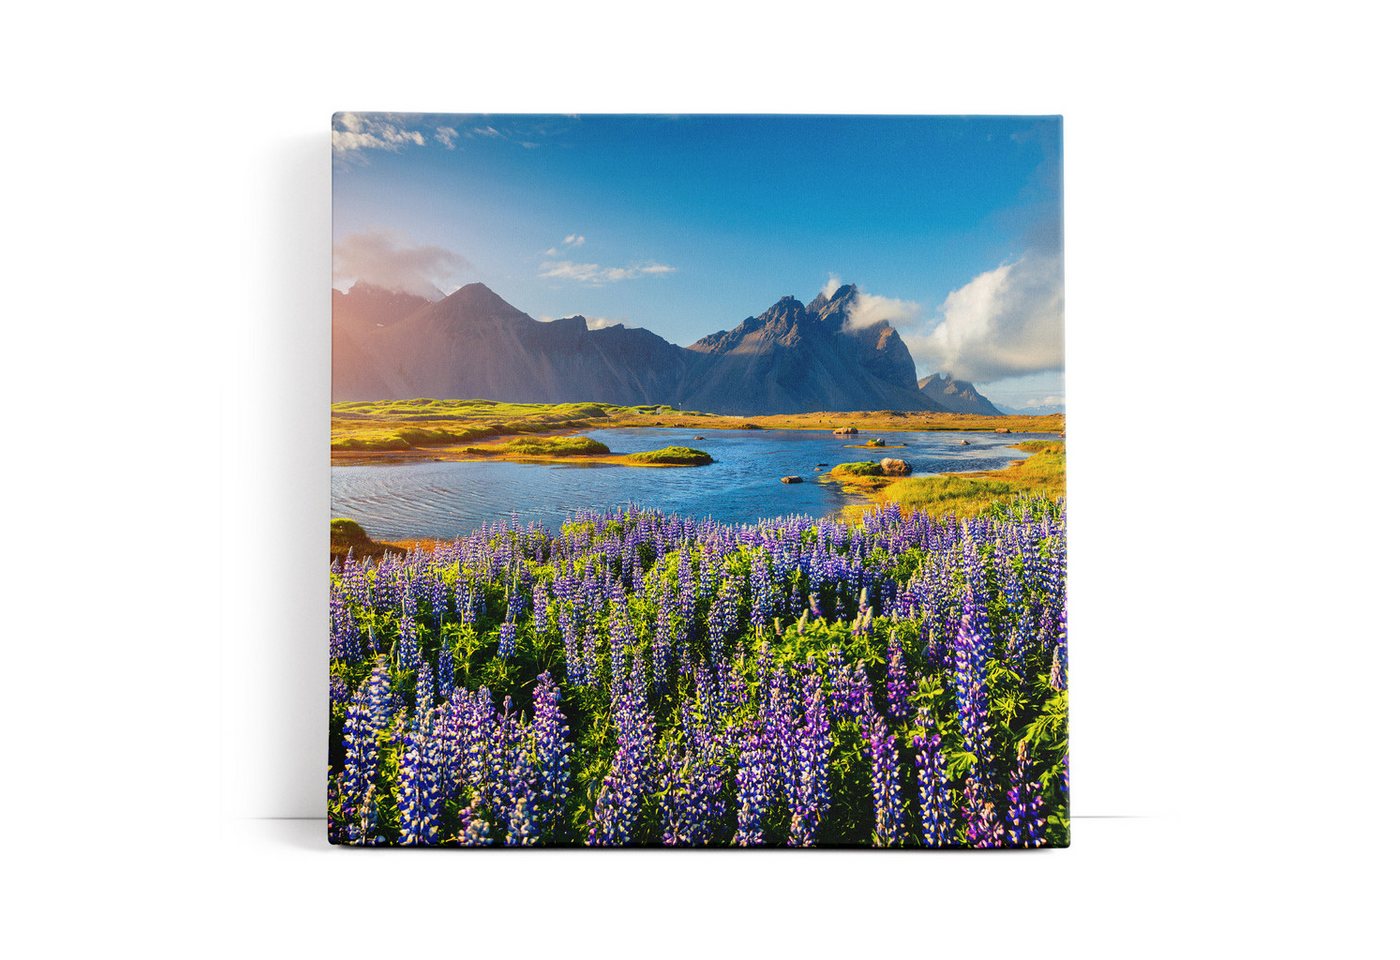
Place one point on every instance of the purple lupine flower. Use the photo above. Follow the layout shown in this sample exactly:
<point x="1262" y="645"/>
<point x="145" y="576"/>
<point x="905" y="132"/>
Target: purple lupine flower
<point x="505" y="646"/>
<point x="407" y="647"/>
<point x="540" y="608"/>
<point x="884" y="782"/>
<point x="476" y="828"/>
<point x="761" y="589"/>
<point x="970" y="656"/>
<point x="685" y="590"/>
<point x="984" y="825"/>
<point x="812" y="796"/>
<point x="693" y="781"/>
<point x="437" y="597"/>
<point x="420" y="788"/>
<point x="898" y="687"/>
<point x="661" y="641"/>
<point x="850" y="688"/>
<point x="446" y="672"/>
<point x="936" y="825"/>
<point x="340" y="692"/>
<point x="752" y="788"/>
<point x="423" y="695"/>
<point x="723" y="619"/>
<point x="1059" y="664"/>
<point x="345" y="636"/>
<point x="1025" y="823"/>
<point x="365" y="720"/>
<point x="619" y="803"/>
<point x="551" y="751"/>
<point x="515" y="793"/>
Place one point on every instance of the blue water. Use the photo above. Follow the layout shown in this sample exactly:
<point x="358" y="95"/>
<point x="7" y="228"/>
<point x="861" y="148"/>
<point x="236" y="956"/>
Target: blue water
<point x="441" y="500"/>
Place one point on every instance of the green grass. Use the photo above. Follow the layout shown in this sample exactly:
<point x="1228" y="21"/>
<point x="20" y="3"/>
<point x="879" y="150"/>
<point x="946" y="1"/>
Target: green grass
<point x="673" y="456"/>
<point x="965" y="495"/>
<point x="405" y="424"/>
<point x="556" y="446"/>
<point x="343" y="528"/>
<point x="865" y="468"/>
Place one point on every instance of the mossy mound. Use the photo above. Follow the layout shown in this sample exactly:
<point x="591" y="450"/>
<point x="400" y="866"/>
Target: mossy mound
<point x="674" y="456"/>
<point x="347" y="535"/>
<point x="557" y="446"/>
<point x="866" y="468"/>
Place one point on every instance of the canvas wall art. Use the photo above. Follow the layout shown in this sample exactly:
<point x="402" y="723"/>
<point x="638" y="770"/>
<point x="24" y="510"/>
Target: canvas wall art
<point x="697" y="481"/>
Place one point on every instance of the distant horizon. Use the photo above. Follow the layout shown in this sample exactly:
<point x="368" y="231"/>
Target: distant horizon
<point x="949" y="226"/>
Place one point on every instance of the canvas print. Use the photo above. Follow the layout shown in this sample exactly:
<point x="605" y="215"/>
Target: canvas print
<point x="697" y="481"/>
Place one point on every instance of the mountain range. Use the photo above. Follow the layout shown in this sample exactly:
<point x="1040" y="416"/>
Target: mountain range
<point x="792" y="358"/>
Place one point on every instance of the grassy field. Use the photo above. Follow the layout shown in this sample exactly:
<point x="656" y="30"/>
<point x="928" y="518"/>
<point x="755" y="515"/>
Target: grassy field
<point x="401" y="430"/>
<point x="961" y="494"/>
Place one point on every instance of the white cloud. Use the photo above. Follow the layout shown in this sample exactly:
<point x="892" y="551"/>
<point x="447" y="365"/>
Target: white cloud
<point x="351" y="132"/>
<point x="595" y="274"/>
<point x="488" y="132"/>
<point x="833" y="283"/>
<point x="869" y="309"/>
<point x="447" y="137"/>
<point x="574" y="240"/>
<point x="1005" y="322"/>
<point x="378" y="257"/>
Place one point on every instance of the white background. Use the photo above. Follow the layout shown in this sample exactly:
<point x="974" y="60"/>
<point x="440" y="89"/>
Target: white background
<point x="1231" y="260"/>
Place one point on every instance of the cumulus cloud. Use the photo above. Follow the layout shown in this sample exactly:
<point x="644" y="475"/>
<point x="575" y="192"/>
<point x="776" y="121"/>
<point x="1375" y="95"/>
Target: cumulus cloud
<point x="488" y="132"/>
<point x="1006" y="322"/>
<point x="593" y="273"/>
<point x="353" y="132"/>
<point x="379" y="258"/>
<point x="447" y="137"/>
<point x="574" y="240"/>
<point x="869" y="309"/>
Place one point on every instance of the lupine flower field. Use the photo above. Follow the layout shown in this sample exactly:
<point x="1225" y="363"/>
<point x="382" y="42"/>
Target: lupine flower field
<point x="639" y="679"/>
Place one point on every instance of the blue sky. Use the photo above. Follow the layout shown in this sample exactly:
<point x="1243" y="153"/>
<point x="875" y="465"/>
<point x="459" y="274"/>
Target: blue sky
<point x="687" y="225"/>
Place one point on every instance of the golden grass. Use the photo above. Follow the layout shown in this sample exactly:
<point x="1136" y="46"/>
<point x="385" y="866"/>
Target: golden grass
<point x="960" y="494"/>
<point x="402" y="430"/>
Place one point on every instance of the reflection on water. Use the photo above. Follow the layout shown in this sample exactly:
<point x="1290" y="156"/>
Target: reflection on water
<point x="441" y="500"/>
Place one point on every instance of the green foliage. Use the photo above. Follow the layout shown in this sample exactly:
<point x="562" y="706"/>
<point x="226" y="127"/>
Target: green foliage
<point x="865" y="468"/>
<point x="1024" y="708"/>
<point x="673" y="456"/>
<point x="557" y="446"/>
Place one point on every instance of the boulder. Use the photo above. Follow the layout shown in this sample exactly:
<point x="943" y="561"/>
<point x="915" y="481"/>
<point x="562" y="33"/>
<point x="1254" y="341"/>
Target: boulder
<point x="698" y="437"/>
<point x="793" y="479"/>
<point x="892" y="467"/>
<point x="1003" y="430"/>
<point x="845" y="431"/>
<point x="877" y="442"/>
<point x="965" y="443"/>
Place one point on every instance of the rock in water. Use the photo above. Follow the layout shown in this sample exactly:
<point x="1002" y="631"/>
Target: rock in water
<point x="892" y="467"/>
<point x="845" y="431"/>
<point x="793" y="479"/>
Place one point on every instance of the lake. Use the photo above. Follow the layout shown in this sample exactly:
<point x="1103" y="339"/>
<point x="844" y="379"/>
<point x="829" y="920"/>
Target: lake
<point x="441" y="500"/>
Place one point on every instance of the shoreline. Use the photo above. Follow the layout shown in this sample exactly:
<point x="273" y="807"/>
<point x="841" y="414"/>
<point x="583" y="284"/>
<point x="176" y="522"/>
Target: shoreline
<point x="959" y="494"/>
<point x="358" y="438"/>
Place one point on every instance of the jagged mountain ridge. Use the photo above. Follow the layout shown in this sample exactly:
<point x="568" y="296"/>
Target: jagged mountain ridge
<point x="959" y="396"/>
<point x="789" y="359"/>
